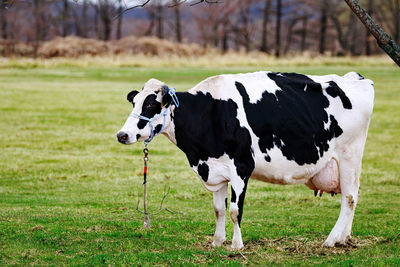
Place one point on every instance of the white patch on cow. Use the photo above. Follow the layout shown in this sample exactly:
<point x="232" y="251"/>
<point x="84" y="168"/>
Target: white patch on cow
<point x="283" y="171"/>
<point x="282" y="143"/>
<point x="255" y="83"/>
<point x="352" y="76"/>
<point x="328" y="123"/>
<point x="305" y="88"/>
<point x="220" y="172"/>
<point x="325" y="85"/>
<point x="318" y="149"/>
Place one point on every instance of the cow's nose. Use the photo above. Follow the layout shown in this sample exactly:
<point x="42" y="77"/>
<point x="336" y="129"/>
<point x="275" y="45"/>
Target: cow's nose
<point x="122" y="137"/>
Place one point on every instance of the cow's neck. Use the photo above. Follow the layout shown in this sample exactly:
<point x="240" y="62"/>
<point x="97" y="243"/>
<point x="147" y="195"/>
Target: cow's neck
<point x="169" y="130"/>
<point x="180" y="116"/>
<point x="186" y="127"/>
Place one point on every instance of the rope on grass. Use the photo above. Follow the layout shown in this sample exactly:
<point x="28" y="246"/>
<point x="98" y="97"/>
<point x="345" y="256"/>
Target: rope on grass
<point x="146" y="223"/>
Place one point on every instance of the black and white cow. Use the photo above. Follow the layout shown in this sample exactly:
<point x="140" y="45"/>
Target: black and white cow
<point x="282" y="128"/>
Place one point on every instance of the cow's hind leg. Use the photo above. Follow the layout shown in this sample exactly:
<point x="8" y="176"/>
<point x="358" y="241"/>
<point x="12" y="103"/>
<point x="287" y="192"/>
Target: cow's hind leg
<point x="220" y="202"/>
<point x="349" y="185"/>
<point x="238" y="188"/>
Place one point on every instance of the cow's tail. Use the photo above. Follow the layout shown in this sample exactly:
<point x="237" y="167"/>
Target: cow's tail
<point x="353" y="76"/>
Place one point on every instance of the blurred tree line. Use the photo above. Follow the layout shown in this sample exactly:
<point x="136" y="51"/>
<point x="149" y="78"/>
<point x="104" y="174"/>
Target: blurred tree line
<point x="272" y="26"/>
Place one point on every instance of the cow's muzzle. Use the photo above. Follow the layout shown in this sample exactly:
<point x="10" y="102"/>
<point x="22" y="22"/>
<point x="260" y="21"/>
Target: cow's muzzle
<point x="122" y="137"/>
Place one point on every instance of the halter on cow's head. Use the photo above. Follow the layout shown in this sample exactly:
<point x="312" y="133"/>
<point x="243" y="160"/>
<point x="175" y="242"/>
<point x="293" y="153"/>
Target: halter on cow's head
<point x="149" y="116"/>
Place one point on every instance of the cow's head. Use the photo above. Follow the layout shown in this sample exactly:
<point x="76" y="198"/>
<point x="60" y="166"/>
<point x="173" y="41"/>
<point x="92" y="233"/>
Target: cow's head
<point x="150" y="103"/>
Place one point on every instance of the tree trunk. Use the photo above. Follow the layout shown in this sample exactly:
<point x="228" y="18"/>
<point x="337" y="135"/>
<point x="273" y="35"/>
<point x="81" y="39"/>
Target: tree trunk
<point x="3" y="6"/>
<point x="178" y="28"/>
<point x="304" y="34"/>
<point x="225" y="37"/>
<point x="119" y="21"/>
<point x="384" y="40"/>
<point x="292" y="23"/>
<point x="38" y="20"/>
<point x="245" y="13"/>
<point x="38" y="25"/>
<point x="322" y="31"/>
<point x="264" y="41"/>
<point x="65" y="18"/>
<point x="96" y="23"/>
<point x="107" y="28"/>
<point x="160" y="30"/>
<point x="215" y="39"/>
<point x="84" y="19"/>
<point x="106" y="19"/>
<point x="149" y="29"/>
<point x="278" y="28"/>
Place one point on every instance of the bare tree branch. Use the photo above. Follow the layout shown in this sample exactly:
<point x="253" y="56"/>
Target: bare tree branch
<point x="173" y="5"/>
<point x="177" y="3"/>
<point x="384" y="40"/>
<point x="130" y="8"/>
<point x="207" y="1"/>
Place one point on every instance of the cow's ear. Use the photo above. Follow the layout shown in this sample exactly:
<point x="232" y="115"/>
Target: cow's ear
<point x="131" y="95"/>
<point x="166" y="97"/>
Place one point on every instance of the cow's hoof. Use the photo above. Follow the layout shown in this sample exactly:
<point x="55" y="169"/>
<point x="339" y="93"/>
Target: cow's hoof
<point x="337" y="241"/>
<point x="237" y="244"/>
<point x="218" y="241"/>
<point x="328" y="244"/>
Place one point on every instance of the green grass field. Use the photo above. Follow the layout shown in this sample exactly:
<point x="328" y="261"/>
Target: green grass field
<point x="68" y="190"/>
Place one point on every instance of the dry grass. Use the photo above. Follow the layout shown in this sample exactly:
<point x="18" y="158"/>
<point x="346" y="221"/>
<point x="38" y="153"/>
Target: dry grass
<point x="153" y="52"/>
<point x="72" y="46"/>
<point x="9" y="49"/>
<point x="152" y="46"/>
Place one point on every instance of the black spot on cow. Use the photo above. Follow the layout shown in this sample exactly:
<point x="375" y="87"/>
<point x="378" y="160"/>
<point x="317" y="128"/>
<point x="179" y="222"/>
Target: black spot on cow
<point x="267" y="158"/>
<point x="208" y="128"/>
<point x="292" y="119"/>
<point x="138" y="136"/>
<point x="241" y="201"/>
<point x="157" y="129"/>
<point x="150" y="108"/>
<point x="335" y="126"/>
<point x="360" y="76"/>
<point x="203" y="171"/>
<point x="233" y="196"/>
<point x="334" y="91"/>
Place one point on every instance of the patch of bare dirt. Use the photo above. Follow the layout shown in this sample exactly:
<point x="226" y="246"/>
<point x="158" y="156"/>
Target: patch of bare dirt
<point x="307" y="247"/>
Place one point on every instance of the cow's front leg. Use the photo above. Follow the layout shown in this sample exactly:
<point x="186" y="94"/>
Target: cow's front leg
<point x="220" y="210"/>
<point x="238" y="188"/>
